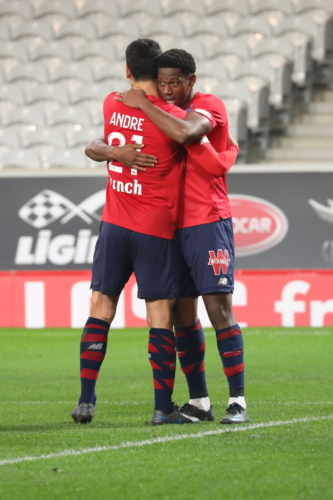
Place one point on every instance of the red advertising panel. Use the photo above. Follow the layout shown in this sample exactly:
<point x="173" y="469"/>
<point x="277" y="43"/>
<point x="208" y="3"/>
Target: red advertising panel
<point x="37" y="299"/>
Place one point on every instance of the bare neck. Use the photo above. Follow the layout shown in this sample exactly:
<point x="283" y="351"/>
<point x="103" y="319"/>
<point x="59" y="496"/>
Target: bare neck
<point x="149" y="87"/>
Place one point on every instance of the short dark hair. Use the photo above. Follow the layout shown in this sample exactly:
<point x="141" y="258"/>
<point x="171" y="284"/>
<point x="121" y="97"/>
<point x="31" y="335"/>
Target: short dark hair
<point x="177" y="58"/>
<point x="141" y="57"/>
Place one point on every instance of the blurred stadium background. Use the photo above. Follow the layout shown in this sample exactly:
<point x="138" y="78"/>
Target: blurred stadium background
<point x="270" y="61"/>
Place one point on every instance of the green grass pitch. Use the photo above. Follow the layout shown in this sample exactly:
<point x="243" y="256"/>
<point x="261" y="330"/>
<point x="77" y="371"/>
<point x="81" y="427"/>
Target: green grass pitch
<point x="289" y="377"/>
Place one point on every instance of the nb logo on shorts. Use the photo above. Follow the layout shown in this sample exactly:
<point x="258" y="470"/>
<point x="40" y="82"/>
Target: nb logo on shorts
<point x="220" y="261"/>
<point x="223" y="281"/>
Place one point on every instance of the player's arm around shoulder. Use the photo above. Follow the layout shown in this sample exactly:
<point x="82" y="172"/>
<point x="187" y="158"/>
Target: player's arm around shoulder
<point x="175" y="123"/>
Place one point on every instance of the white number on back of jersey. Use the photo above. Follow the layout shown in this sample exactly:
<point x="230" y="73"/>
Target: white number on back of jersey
<point x="137" y="139"/>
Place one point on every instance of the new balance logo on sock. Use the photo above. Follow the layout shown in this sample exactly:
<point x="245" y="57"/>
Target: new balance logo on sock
<point x="95" y="346"/>
<point x="223" y="281"/>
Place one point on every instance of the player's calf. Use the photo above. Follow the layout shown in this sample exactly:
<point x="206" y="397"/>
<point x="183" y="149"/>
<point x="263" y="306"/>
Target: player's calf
<point x="230" y="346"/>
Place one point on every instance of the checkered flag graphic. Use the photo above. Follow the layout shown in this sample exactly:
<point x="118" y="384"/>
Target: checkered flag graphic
<point x="48" y="206"/>
<point x="44" y="208"/>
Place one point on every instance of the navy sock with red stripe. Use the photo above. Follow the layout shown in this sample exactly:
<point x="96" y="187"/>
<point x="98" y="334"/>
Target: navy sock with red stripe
<point x="230" y="346"/>
<point x="191" y="349"/>
<point x="92" y="352"/>
<point x="162" y="357"/>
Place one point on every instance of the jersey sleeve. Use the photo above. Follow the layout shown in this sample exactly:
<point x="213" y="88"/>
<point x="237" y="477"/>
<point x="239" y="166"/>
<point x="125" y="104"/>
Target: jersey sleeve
<point x="214" y="163"/>
<point x="212" y="108"/>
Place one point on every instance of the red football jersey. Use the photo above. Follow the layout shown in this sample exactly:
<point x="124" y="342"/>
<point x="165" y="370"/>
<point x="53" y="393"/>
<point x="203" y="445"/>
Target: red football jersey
<point x="146" y="202"/>
<point x="204" y="197"/>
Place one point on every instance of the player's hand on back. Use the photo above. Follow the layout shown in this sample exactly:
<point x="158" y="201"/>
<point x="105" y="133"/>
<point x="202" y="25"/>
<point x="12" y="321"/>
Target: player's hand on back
<point x="129" y="157"/>
<point x="134" y="98"/>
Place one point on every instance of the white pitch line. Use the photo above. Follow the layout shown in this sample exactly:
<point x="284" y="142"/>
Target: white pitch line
<point x="166" y="439"/>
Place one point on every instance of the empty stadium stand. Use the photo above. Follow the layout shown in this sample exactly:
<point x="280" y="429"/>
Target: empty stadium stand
<point x="271" y="61"/>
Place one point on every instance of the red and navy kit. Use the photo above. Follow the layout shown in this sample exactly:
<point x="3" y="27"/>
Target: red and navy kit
<point x="146" y="202"/>
<point x="120" y="252"/>
<point x="205" y="242"/>
<point x="205" y="197"/>
<point x="206" y="258"/>
<point x="141" y="211"/>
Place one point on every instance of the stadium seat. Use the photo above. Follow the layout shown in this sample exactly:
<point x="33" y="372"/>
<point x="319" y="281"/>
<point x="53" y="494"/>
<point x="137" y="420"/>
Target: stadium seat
<point x="68" y="158"/>
<point x="279" y="48"/>
<point x="20" y="158"/>
<point x="212" y="69"/>
<point x="11" y="54"/>
<point x="11" y="96"/>
<point x="301" y="6"/>
<point x="207" y="26"/>
<point x="321" y="13"/>
<point x="60" y="50"/>
<point x="258" y="73"/>
<point x="77" y="29"/>
<point x="49" y="97"/>
<point x="91" y="97"/>
<point x="215" y="6"/>
<point x="13" y="51"/>
<point x="187" y="6"/>
<point x="100" y="50"/>
<point x="96" y="92"/>
<point x="72" y="74"/>
<point x="237" y="122"/>
<point x="33" y="72"/>
<point x="9" y="139"/>
<point x="165" y="26"/>
<point x="125" y="27"/>
<point x="194" y="47"/>
<point x="130" y="8"/>
<point x="95" y="110"/>
<point x="46" y="136"/>
<point x="98" y="9"/>
<point x="229" y="11"/>
<point x="4" y="31"/>
<point x="273" y="10"/>
<point x="83" y="137"/>
<point x="278" y="53"/>
<point x="32" y="29"/>
<point x="59" y="8"/>
<point x="256" y="101"/>
<point x="252" y="29"/>
<point x="70" y="118"/>
<point x="107" y="71"/>
<point x="254" y="91"/>
<point x="25" y="118"/>
<point x="232" y="51"/>
<point x="208" y="32"/>
<point x="300" y="30"/>
<point x="15" y="10"/>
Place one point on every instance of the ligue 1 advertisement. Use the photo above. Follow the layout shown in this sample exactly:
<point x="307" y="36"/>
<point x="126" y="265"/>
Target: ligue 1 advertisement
<point x="283" y="231"/>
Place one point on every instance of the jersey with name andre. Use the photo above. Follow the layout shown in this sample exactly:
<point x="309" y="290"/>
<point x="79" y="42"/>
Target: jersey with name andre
<point x="143" y="201"/>
<point x="204" y="198"/>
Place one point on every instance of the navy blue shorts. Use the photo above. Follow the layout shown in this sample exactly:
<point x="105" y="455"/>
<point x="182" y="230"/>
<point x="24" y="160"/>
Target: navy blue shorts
<point x="120" y="251"/>
<point x="206" y="258"/>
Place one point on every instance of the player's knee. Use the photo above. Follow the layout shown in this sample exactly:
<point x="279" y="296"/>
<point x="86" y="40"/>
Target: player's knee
<point x="220" y="313"/>
<point x="103" y="307"/>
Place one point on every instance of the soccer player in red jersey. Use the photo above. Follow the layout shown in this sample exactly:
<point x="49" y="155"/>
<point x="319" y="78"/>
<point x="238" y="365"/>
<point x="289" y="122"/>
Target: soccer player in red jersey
<point x="137" y="230"/>
<point x="205" y="238"/>
<point x="136" y="235"/>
